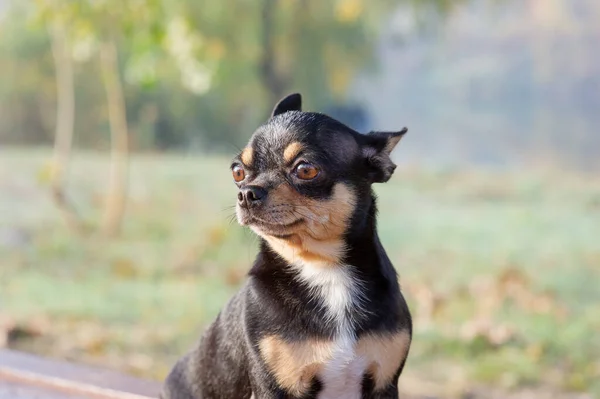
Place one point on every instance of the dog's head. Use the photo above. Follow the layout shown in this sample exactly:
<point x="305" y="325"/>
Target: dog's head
<point x="303" y="178"/>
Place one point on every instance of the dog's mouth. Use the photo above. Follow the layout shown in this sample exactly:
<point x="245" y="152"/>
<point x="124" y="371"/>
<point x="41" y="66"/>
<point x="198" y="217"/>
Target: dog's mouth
<point x="279" y="230"/>
<point x="272" y="227"/>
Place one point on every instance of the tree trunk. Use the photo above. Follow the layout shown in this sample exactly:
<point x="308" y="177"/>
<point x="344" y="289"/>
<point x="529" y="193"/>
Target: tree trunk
<point x="65" y="118"/>
<point x="271" y="79"/>
<point x="114" y="210"/>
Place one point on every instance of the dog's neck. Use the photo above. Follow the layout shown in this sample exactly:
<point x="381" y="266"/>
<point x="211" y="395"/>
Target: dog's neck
<point x="364" y="249"/>
<point x="362" y="231"/>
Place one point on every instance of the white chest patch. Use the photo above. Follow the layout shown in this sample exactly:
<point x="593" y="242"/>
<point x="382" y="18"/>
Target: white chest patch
<point x="342" y="374"/>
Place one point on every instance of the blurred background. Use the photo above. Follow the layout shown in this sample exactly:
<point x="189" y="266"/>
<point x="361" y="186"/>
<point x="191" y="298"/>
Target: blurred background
<point x="118" y="120"/>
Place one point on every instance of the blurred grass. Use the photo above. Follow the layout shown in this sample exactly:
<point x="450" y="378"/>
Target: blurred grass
<point x="501" y="269"/>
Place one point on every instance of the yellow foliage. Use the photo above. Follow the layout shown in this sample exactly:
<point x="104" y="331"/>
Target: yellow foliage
<point x="340" y="79"/>
<point x="215" y="49"/>
<point x="348" y="10"/>
<point x="535" y="351"/>
<point x="216" y="235"/>
<point x="47" y="173"/>
<point x="287" y="4"/>
<point x="123" y="268"/>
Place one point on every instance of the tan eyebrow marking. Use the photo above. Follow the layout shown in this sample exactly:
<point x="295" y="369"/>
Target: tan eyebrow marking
<point x="291" y="151"/>
<point x="247" y="155"/>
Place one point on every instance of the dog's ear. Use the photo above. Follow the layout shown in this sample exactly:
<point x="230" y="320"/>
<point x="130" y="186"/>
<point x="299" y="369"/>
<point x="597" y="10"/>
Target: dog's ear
<point x="292" y="102"/>
<point x="376" y="151"/>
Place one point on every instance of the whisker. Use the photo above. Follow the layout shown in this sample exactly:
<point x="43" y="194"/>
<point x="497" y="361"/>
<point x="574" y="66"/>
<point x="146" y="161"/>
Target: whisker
<point x="231" y="220"/>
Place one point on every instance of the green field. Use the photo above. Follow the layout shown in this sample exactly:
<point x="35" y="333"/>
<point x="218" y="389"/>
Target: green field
<point x="501" y="269"/>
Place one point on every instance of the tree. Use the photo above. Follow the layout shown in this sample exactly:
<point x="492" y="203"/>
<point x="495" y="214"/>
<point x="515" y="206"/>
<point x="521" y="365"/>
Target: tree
<point x="106" y="23"/>
<point x="114" y="20"/>
<point x="114" y="210"/>
<point x="65" y="118"/>
<point x="55" y="16"/>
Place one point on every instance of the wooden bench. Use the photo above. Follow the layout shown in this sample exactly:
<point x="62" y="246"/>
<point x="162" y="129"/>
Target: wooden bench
<point x="25" y="376"/>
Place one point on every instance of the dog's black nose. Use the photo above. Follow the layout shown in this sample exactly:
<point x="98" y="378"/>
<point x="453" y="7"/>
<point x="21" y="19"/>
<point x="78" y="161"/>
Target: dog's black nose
<point x="251" y="196"/>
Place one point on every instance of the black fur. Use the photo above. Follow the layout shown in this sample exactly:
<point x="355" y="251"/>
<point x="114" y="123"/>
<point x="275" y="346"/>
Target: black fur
<point x="226" y="362"/>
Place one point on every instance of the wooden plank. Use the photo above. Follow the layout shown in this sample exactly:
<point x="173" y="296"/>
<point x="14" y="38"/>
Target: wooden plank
<point x="12" y="390"/>
<point x="26" y="371"/>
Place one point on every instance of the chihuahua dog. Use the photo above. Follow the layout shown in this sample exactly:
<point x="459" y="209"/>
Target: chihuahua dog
<point x="321" y="314"/>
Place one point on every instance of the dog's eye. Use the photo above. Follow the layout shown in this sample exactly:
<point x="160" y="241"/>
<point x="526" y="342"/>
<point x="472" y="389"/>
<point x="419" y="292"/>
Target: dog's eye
<point x="238" y="173"/>
<point x="306" y="171"/>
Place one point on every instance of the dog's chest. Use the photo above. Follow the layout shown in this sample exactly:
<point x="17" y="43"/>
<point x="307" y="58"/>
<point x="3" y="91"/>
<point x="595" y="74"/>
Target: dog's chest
<point x="341" y="376"/>
<point x="340" y="364"/>
<point x="342" y="372"/>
